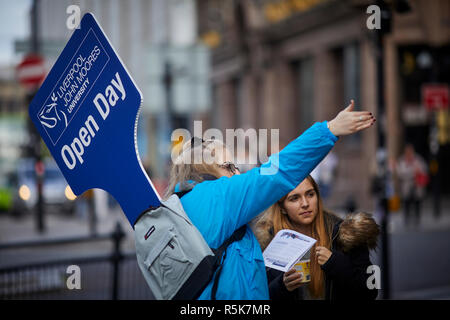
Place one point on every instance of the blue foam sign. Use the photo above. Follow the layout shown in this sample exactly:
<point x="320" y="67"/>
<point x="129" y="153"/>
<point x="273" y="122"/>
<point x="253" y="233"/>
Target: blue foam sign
<point x="86" y="112"/>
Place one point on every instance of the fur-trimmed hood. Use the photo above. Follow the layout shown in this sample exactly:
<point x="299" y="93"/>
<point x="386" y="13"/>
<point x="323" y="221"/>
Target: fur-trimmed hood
<point x="356" y="230"/>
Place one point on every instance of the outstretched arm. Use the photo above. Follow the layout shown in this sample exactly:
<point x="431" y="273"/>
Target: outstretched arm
<point x="251" y="193"/>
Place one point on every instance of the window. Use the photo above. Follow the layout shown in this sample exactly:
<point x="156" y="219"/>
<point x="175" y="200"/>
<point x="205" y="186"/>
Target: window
<point x="351" y="63"/>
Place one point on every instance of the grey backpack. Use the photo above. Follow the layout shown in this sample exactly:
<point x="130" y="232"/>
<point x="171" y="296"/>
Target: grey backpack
<point x="175" y="260"/>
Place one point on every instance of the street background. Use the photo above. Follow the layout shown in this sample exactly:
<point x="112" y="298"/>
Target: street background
<point x="255" y="64"/>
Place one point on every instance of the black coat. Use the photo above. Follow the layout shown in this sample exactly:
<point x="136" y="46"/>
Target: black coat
<point x="345" y="275"/>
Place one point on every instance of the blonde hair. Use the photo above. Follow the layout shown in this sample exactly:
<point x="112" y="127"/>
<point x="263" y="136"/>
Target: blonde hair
<point x="275" y="220"/>
<point x="195" y="161"/>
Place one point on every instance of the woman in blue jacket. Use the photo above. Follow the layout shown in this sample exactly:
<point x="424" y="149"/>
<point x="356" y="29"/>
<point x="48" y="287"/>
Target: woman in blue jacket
<point x="230" y="200"/>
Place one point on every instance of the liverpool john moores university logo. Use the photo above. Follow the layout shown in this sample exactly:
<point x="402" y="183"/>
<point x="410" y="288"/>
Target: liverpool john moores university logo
<point x="51" y="116"/>
<point x="73" y="86"/>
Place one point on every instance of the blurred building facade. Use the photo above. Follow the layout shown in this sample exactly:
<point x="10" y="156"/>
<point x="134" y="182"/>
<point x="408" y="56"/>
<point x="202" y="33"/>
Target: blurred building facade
<point x="280" y="64"/>
<point x="288" y="63"/>
<point x="126" y="23"/>
<point x="417" y="54"/>
<point x="146" y="34"/>
<point x="13" y="136"/>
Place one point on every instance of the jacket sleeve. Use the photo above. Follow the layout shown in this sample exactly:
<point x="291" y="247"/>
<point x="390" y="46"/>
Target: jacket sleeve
<point x="277" y="289"/>
<point x="349" y="270"/>
<point x="250" y="193"/>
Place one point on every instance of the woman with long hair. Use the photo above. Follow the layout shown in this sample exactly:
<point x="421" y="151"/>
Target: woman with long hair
<point x="221" y="200"/>
<point x="338" y="260"/>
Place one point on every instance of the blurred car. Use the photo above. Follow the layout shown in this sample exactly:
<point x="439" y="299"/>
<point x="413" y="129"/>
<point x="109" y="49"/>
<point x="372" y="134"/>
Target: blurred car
<point x="5" y="194"/>
<point x="57" y="195"/>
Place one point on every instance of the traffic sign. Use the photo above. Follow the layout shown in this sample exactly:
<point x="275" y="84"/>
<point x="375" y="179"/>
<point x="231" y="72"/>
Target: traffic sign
<point x="86" y="112"/>
<point x="31" y="71"/>
<point x="435" y="96"/>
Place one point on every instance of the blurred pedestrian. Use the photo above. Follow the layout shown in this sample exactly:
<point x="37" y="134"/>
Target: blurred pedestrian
<point x="222" y="200"/>
<point x="338" y="260"/>
<point x="413" y="175"/>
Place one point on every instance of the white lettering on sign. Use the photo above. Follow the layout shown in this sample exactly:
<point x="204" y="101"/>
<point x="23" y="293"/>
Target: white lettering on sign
<point x="70" y="90"/>
<point x="73" y="153"/>
<point x="112" y="96"/>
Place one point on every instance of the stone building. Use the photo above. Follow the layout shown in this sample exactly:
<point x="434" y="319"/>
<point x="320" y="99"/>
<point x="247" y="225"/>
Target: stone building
<point x="288" y="63"/>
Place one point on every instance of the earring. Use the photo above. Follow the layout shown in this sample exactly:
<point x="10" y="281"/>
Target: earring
<point x="283" y="211"/>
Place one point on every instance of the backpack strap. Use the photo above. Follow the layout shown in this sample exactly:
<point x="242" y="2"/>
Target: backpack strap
<point x="205" y="271"/>
<point x="179" y="194"/>
<point x="144" y="212"/>
<point x="222" y="251"/>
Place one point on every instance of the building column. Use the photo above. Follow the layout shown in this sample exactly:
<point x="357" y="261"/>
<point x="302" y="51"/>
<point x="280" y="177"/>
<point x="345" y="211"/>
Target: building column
<point x="287" y="116"/>
<point x="326" y="73"/>
<point x="369" y="103"/>
<point x="225" y="105"/>
<point x="392" y="121"/>
<point x="248" y="110"/>
<point x="268" y="98"/>
<point x="278" y="102"/>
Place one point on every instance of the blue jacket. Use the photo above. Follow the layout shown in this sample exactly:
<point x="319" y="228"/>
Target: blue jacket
<point x="219" y="207"/>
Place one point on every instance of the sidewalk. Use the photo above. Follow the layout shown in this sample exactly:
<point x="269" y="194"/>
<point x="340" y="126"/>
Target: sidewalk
<point x="419" y="255"/>
<point x="428" y="222"/>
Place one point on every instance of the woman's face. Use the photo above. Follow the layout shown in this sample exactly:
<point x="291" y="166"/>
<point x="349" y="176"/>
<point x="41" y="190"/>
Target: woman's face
<point x="301" y="204"/>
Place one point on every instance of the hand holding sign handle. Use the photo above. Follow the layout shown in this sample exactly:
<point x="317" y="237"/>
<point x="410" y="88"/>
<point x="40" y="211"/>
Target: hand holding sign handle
<point x="86" y="112"/>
